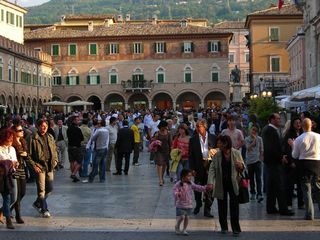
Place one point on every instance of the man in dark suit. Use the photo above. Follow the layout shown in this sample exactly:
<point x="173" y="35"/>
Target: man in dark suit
<point x="124" y="146"/>
<point x="274" y="160"/>
<point x="201" y="150"/>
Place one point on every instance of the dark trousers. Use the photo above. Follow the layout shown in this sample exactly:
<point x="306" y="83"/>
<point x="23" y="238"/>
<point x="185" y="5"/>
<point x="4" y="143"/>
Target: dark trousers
<point x="292" y="178"/>
<point x="207" y="196"/>
<point x="234" y="210"/>
<point x="126" y="157"/>
<point x="255" y="172"/>
<point x="276" y="189"/>
<point x="136" y="151"/>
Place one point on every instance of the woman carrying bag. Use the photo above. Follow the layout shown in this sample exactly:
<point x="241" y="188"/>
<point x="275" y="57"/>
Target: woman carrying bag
<point x="224" y="175"/>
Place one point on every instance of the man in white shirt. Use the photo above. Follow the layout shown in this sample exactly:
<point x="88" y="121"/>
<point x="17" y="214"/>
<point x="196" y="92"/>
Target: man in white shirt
<point x="306" y="148"/>
<point x="113" y="132"/>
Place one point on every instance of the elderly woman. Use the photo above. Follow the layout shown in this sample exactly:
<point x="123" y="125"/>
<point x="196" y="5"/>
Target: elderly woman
<point x="224" y="171"/>
<point x="8" y="162"/>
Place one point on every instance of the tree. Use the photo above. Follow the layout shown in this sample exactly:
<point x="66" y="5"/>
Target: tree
<point x="263" y="108"/>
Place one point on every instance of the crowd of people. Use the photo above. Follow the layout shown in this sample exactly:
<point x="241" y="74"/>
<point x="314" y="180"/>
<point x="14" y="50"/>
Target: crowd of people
<point x="205" y="152"/>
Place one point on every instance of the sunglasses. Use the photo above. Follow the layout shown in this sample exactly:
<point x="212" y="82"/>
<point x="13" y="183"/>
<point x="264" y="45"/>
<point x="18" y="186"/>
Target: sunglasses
<point x="19" y="130"/>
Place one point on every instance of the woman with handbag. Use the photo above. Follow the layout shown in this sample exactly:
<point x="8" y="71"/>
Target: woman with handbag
<point x="223" y="178"/>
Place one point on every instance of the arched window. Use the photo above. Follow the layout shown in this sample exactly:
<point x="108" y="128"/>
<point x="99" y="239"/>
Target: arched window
<point x="34" y="77"/>
<point x="1" y="68"/>
<point x="93" y="78"/>
<point x="28" y="75"/>
<point x="73" y="77"/>
<point x="137" y="78"/>
<point x="23" y="75"/>
<point x="56" y="74"/>
<point x="10" y="70"/>
<point x="187" y="74"/>
<point x="113" y="76"/>
<point x="160" y="75"/>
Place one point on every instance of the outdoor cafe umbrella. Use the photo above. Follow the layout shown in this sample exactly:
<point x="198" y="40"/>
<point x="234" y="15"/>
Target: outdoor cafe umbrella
<point x="306" y="94"/>
<point x="54" y="103"/>
<point x="79" y="103"/>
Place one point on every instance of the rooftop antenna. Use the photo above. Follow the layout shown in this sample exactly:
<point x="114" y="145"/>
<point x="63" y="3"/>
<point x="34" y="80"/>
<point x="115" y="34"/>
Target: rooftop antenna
<point x="72" y="7"/>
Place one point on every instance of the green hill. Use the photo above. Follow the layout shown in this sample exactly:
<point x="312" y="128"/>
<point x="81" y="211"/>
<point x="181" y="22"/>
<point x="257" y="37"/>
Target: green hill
<point x="213" y="10"/>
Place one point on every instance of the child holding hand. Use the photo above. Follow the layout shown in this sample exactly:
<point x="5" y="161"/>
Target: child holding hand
<point x="183" y="192"/>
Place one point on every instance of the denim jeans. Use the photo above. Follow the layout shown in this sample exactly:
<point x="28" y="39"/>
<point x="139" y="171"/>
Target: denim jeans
<point x="99" y="164"/>
<point x="183" y="164"/>
<point x="86" y="160"/>
<point x="255" y="172"/>
<point x="14" y="192"/>
<point x="6" y="205"/>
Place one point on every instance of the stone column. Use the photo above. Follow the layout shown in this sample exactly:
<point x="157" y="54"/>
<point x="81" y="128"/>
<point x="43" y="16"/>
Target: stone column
<point x="150" y="104"/>
<point x="174" y="105"/>
<point x="85" y="108"/>
<point x="126" y="106"/>
<point x="102" y="105"/>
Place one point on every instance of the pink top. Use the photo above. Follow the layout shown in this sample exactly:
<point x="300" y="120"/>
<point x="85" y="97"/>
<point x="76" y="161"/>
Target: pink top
<point x="183" y="146"/>
<point x="183" y="194"/>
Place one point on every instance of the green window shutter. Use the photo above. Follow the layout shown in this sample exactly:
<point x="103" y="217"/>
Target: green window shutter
<point x="209" y="47"/>
<point x="160" y="78"/>
<point x="132" y="48"/>
<point x="55" y="50"/>
<point x="274" y="34"/>
<point x="78" y="80"/>
<point x="98" y="79"/>
<point x="59" y="80"/>
<point x="219" y="46"/>
<point x="108" y="49"/>
<point x="275" y="64"/>
<point x="68" y="80"/>
<point x="117" y="48"/>
<point x="141" y="77"/>
<point x="113" y="79"/>
<point x="215" y="77"/>
<point x="93" y="49"/>
<point x="73" y="49"/>
<point x="155" y="47"/>
<point x="88" y="80"/>
<point x="188" y="77"/>
<point x="182" y="47"/>
<point x="165" y="47"/>
<point x="142" y="48"/>
<point x="192" y="47"/>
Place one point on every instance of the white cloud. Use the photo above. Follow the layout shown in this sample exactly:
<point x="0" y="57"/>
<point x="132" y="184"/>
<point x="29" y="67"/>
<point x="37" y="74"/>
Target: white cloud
<point x="29" y="3"/>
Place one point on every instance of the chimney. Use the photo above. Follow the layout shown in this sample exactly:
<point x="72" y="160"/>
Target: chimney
<point x="63" y="18"/>
<point x="106" y="23"/>
<point x="128" y="17"/>
<point x="184" y="23"/>
<point x="90" y="26"/>
<point x="119" y="18"/>
<point x="154" y="19"/>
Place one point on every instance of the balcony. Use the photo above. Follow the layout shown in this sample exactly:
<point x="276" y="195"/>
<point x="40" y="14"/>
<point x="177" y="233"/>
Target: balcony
<point x="137" y="86"/>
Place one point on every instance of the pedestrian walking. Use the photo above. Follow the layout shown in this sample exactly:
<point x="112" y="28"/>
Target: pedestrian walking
<point x="306" y="148"/>
<point x="61" y="138"/>
<point x="113" y="134"/>
<point x="182" y="193"/>
<point x="137" y="141"/>
<point x="44" y="159"/>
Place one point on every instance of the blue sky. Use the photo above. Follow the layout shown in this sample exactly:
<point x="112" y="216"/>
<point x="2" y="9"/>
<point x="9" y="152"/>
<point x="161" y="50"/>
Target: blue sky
<point x="29" y="3"/>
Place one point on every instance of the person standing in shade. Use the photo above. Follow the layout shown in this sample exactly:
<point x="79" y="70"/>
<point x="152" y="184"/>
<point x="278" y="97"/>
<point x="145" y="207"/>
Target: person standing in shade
<point x="62" y="142"/>
<point x="124" y="147"/>
<point x="86" y="132"/>
<point x="306" y="148"/>
<point x="201" y="149"/>
<point x="113" y="133"/>
<point x="44" y="159"/>
<point x="137" y="139"/>
<point x="274" y="160"/>
<point x="75" y="137"/>
<point x="100" y="150"/>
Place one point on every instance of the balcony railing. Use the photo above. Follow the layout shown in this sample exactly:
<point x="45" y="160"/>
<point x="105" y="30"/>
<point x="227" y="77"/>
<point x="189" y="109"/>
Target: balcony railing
<point x="139" y="86"/>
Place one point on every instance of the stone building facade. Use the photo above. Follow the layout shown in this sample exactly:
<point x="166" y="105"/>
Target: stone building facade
<point x="136" y="64"/>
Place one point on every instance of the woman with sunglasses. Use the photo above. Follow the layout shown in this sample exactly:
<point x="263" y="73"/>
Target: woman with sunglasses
<point x="21" y="148"/>
<point x="8" y="163"/>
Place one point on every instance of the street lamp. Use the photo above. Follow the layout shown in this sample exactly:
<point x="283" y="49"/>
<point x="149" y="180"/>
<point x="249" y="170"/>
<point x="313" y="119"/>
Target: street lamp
<point x="254" y="96"/>
<point x="266" y="94"/>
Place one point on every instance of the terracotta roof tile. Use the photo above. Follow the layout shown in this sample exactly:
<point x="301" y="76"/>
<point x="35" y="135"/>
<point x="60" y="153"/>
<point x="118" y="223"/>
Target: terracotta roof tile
<point x="288" y="9"/>
<point x="122" y="29"/>
<point x="89" y="16"/>
<point x="230" y="25"/>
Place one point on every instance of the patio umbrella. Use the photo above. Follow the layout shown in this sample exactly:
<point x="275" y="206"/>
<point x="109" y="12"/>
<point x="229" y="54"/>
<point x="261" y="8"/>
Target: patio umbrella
<point x="54" y="103"/>
<point x="306" y="94"/>
<point x="79" y="103"/>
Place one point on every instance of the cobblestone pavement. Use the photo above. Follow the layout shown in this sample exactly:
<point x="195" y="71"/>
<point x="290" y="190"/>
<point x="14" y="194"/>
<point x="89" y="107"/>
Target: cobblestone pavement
<point x="135" y="207"/>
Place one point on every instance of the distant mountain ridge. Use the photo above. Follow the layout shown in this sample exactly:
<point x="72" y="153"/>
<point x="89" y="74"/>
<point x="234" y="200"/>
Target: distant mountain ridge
<point x="213" y="10"/>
